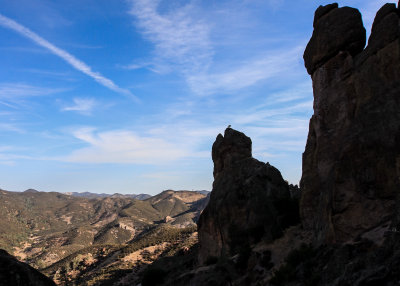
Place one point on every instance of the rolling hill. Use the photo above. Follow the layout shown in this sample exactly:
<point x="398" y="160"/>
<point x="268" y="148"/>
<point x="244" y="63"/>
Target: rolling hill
<point x="55" y="232"/>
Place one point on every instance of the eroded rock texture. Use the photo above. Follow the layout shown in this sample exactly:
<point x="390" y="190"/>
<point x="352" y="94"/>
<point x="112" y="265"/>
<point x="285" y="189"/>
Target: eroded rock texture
<point x="250" y="200"/>
<point x="351" y="164"/>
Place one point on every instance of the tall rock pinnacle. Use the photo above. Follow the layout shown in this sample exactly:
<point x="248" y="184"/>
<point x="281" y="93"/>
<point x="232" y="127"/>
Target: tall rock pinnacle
<point x="247" y="202"/>
<point x="351" y="164"/>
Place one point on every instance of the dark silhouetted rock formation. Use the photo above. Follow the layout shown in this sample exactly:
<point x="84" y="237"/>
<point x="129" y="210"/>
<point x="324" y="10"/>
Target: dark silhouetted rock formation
<point x="336" y="30"/>
<point x="16" y="273"/>
<point x="351" y="164"/>
<point x="250" y="201"/>
<point x="350" y="186"/>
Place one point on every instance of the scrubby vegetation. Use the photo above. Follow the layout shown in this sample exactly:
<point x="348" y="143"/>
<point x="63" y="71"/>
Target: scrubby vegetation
<point x="77" y="240"/>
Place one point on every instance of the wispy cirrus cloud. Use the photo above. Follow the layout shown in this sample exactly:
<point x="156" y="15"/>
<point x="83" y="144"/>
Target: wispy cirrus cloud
<point x="69" y="58"/>
<point x="12" y="90"/>
<point x="181" y="39"/>
<point x="14" y="95"/>
<point x="83" y="106"/>
<point x="123" y="146"/>
<point x="11" y="128"/>
<point x="47" y="72"/>
<point x="191" y="41"/>
<point x="263" y="67"/>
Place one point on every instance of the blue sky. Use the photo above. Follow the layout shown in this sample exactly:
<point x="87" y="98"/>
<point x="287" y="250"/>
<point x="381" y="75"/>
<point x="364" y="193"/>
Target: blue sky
<point x="128" y="96"/>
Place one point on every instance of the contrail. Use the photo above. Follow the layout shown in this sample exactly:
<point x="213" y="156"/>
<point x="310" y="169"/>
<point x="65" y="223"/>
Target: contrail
<point x="73" y="61"/>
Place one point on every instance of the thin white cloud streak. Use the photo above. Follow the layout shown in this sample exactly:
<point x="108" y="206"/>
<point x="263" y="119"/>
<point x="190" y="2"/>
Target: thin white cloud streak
<point x="11" y="128"/>
<point x="12" y="157"/>
<point x="6" y="148"/>
<point x="253" y="116"/>
<point x="8" y="158"/>
<point x="294" y="130"/>
<point x="47" y="73"/>
<point x="14" y="95"/>
<point x="13" y="90"/>
<point x="302" y="91"/>
<point x="274" y="128"/>
<point x="70" y="59"/>
<point x="264" y="67"/>
<point x="124" y="147"/>
<point x="83" y="106"/>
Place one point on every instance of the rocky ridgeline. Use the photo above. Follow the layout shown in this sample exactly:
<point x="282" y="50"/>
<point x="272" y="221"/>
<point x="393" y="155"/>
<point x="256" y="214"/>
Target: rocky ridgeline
<point x="351" y="164"/>
<point x="250" y="200"/>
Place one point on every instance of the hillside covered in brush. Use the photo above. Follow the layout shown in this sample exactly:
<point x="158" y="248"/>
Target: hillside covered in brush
<point x="52" y="230"/>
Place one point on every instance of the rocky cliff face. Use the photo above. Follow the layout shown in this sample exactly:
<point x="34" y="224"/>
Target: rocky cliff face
<point x="351" y="164"/>
<point x="250" y="201"/>
<point x="14" y="272"/>
<point x="350" y="186"/>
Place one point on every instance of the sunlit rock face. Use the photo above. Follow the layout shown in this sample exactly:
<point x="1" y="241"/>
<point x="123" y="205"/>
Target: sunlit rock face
<point x="351" y="164"/>
<point x="250" y="200"/>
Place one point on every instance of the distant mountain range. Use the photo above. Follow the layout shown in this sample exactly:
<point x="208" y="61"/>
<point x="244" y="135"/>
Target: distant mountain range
<point x="117" y="195"/>
<point x="90" y="195"/>
<point x="50" y="230"/>
<point x="103" y="195"/>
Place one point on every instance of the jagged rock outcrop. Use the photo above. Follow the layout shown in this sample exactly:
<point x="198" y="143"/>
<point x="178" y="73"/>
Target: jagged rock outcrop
<point x="351" y="164"/>
<point x="250" y="200"/>
<point x="16" y="273"/>
<point x="350" y="202"/>
<point x="335" y="30"/>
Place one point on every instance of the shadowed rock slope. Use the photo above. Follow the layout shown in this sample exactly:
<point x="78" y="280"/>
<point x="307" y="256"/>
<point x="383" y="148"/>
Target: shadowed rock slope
<point x="16" y="273"/>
